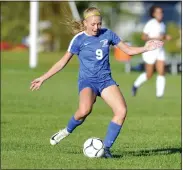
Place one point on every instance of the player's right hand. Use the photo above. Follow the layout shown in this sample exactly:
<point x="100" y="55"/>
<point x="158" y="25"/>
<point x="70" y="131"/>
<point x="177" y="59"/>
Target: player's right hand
<point x="35" y="84"/>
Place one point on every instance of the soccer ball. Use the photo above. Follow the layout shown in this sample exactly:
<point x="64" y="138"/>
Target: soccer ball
<point x="93" y="148"/>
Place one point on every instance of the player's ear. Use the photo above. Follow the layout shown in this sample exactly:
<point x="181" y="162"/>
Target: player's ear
<point x="85" y="23"/>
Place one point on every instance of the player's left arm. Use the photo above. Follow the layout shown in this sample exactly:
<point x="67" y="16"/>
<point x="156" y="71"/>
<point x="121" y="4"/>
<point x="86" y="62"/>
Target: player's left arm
<point x="149" y="46"/>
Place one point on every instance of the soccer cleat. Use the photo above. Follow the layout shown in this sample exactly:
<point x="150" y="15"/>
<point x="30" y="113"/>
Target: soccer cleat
<point x="57" y="137"/>
<point x="107" y="153"/>
<point x="134" y="91"/>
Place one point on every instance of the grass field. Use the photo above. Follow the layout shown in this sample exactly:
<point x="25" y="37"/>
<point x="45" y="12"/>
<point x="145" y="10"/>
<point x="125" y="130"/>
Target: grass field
<point x="150" y="138"/>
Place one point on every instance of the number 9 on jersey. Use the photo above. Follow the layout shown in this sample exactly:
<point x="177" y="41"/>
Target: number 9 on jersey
<point x="99" y="54"/>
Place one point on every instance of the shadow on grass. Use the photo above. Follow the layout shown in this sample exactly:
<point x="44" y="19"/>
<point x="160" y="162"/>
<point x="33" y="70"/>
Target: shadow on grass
<point x="149" y="152"/>
<point x="145" y="152"/>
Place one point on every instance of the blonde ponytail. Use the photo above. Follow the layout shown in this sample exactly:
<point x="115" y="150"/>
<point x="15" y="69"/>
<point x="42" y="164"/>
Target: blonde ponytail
<point x="75" y="26"/>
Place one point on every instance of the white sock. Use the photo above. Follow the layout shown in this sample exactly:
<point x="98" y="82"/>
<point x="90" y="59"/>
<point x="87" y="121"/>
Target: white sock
<point x="160" y="85"/>
<point x="140" y="80"/>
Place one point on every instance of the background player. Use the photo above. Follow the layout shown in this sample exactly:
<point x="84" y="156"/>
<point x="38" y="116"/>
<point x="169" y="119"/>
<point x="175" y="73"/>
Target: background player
<point x="154" y="29"/>
<point x="91" y="44"/>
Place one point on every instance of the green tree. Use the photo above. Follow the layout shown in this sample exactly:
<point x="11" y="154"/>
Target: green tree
<point x="57" y="13"/>
<point x="14" y="21"/>
<point x="173" y="46"/>
<point x="15" y="25"/>
<point x="136" y="39"/>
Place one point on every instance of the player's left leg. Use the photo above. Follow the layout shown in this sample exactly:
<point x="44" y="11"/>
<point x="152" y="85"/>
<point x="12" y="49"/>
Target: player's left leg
<point x="160" y="81"/>
<point x="114" y="98"/>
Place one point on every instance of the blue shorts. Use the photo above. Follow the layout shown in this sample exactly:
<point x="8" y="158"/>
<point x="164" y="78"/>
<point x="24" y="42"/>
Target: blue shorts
<point x="97" y="87"/>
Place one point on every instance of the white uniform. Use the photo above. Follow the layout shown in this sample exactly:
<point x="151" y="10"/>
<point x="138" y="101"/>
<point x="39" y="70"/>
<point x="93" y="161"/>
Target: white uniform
<point x="154" y="29"/>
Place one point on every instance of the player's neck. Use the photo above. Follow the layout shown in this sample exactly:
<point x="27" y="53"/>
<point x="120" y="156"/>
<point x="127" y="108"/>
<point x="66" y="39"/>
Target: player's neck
<point x="158" y="20"/>
<point x="87" y="33"/>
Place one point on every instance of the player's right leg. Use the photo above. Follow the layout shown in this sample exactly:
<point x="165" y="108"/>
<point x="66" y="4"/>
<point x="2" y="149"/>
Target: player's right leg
<point x="87" y="98"/>
<point x="149" y="59"/>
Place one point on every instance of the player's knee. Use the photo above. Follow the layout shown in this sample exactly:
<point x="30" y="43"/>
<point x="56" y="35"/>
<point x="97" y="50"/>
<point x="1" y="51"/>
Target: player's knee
<point x="122" y="112"/>
<point x="84" y="111"/>
<point x="149" y="75"/>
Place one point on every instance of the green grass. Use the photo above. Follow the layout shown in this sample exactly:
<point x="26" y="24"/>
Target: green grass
<point x="150" y="137"/>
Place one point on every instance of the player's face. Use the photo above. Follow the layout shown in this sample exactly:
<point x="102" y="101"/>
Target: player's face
<point x="158" y="14"/>
<point x="93" y="25"/>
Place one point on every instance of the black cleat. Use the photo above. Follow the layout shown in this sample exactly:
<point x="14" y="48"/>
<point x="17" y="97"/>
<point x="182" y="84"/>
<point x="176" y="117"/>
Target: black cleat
<point x="134" y="91"/>
<point x="107" y="153"/>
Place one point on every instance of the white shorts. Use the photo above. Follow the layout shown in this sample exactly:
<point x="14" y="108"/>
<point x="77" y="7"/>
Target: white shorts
<point x="150" y="57"/>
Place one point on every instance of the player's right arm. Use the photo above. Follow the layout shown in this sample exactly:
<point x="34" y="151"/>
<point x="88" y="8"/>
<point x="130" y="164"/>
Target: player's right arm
<point x="35" y="84"/>
<point x="73" y="49"/>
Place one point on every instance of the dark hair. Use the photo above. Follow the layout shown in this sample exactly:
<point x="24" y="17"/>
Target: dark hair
<point x="152" y="9"/>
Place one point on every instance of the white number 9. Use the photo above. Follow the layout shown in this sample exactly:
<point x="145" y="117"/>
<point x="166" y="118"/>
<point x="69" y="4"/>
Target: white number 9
<point x="99" y="54"/>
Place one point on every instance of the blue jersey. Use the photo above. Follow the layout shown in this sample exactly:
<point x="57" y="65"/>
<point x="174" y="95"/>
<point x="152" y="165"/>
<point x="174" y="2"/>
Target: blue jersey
<point x="93" y="54"/>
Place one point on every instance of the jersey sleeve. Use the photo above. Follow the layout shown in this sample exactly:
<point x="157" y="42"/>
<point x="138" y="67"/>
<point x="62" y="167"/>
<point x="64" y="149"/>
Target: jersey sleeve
<point x="74" y="46"/>
<point x="147" y="28"/>
<point x="114" y="38"/>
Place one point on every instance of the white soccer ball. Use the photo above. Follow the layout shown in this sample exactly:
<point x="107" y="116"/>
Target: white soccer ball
<point x="93" y="148"/>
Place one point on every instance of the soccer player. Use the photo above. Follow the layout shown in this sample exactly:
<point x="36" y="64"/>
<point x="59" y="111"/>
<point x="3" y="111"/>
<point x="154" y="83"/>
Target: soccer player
<point x="154" y="29"/>
<point x="91" y="44"/>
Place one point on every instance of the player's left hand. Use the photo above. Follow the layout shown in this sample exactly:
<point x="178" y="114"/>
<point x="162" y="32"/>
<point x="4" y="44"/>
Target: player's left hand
<point x="168" y="37"/>
<point x="153" y="44"/>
